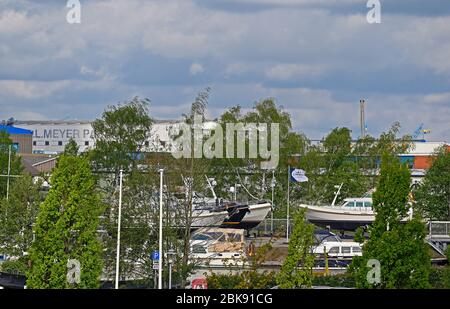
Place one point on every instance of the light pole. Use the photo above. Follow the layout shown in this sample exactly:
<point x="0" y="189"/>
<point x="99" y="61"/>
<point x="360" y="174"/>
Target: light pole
<point x="118" y="230"/>
<point x="161" y="172"/>
<point x="272" y="184"/>
<point x="9" y="172"/>
<point x="287" y="215"/>
<point x="170" y="255"/>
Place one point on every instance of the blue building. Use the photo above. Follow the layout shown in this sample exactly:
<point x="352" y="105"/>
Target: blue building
<point x="22" y="139"/>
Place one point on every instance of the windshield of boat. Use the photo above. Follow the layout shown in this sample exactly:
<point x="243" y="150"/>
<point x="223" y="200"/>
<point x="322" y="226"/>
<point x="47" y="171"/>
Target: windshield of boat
<point x="357" y="203"/>
<point x="206" y="236"/>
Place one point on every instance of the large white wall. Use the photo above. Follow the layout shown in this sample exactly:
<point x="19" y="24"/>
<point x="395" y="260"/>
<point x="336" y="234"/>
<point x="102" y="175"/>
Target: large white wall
<point x="48" y="136"/>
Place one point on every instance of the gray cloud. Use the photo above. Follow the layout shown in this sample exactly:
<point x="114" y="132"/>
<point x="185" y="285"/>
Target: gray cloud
<point x="316" y="57"/>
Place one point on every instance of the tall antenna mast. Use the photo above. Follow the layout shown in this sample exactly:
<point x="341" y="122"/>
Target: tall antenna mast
<point x="362" y="119"/>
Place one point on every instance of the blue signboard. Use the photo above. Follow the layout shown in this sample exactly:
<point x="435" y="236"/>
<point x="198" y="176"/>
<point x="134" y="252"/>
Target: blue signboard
<point x="155" y="255"/>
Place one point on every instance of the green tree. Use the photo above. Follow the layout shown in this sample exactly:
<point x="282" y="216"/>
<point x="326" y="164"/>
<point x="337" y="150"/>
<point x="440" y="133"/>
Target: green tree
<point x="66" y="229"/>
<point x="139" y="232"/>
<point x="337" y="146"/>
<point x="398" y="246"/>
<point x="120" y="135"/>
<point x="433" y="195"/>
<point x="329" y="165"/>
<point x="71" y="148"/>
<point x="296" y="271"/>
<point x="359" y="235"/>
<point x="247" y="171"/>
<point x="17" y="217"/>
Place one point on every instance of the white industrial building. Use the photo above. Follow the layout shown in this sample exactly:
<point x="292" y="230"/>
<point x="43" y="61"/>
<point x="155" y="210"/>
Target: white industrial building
<point x="50" y="137"/>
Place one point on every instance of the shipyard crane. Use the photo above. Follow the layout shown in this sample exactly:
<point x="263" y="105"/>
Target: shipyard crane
<point x="420" y="130"/>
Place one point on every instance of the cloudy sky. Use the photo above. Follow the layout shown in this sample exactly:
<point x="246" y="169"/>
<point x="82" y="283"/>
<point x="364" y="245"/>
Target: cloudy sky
<point x="317" y="58"/>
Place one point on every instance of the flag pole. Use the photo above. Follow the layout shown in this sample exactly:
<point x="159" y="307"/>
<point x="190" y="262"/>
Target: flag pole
<point x="287" y="216"/>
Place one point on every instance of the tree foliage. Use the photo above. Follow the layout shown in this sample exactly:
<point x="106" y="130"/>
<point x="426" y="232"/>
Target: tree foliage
<point x="433" y="195"/>
<point x="398" y="246"/>
<point x="120" y="135"/>
<point x="71" y="149"/>
<point x="66" y="229"/>
<point x="296" y="271"/>
<point x="17" y="217"/>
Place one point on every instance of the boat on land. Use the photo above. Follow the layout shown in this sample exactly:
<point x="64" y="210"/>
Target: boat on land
<point x="336" y="253"/>
<point x="217" y="247"/>
<point x="339" y="249"/>
<point x="351" y="214"/>
<point x="239" y="215"/>
<point x="254" y="215"/>
<point x="214" y="212"/>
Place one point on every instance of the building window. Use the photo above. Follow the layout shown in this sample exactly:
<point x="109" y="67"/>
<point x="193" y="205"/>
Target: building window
<point x="34" y="143"/>
<point x="86" y="143"/>
<point x="60" y="143"/>
<point x="47" y="143"/>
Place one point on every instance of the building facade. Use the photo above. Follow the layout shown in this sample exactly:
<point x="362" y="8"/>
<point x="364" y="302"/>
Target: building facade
<point x="21" y="138"/>
<point x="50" y="137"/>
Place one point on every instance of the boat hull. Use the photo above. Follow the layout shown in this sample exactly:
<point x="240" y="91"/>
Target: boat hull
<point x="251" y="217"/>
<point x="339" y="219"/>
<point x="209" y="219"/>
<point x="257" y="213"/>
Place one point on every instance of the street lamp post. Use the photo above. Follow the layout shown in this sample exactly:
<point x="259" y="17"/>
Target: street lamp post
<point x="118" y="229"/>
<point x="161" y="172"/>
<point x="287" y="212"/>
<point x="9" y="172"/>
<point x="272" y="184"/>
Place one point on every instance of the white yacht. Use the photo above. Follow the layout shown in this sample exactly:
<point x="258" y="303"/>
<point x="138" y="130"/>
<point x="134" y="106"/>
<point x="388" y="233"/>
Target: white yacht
<point x="351" y="214"/>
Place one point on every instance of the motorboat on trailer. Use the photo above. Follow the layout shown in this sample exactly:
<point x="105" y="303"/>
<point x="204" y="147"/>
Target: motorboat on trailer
<point x="352" y="213"/>
<point x="240" y="215"/>
<point x="230" y="214"/>
<point x="349" y="215"/>
<point x="256" y="214"/>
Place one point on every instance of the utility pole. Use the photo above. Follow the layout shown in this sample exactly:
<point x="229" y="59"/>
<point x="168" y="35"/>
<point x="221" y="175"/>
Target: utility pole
<point x="287" y="215"/>
<point x="161" y="172"/>
<point x="118" y="230"/>
<point x="9" y="172"/>
<point x="272" y="184"/>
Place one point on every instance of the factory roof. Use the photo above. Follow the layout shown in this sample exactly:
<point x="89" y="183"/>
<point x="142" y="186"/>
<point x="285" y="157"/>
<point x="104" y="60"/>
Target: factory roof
<point x="15" y="131"/>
